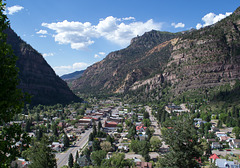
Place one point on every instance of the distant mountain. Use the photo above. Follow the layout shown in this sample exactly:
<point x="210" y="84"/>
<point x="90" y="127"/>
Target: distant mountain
<point x="71" y="76"/>
<point x="36" y="77"/>
<point x="160" y="63"/>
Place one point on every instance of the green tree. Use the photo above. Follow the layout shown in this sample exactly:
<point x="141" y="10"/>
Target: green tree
<point x="70" y="160"/>
<point x="146" y="115"/>
<point x="155" y="143"/>
<point x="99" y="126"/>
<point x="184" y="145"/>
<point x="28" y="126"/>
<point x="110" y="139"/>
<point x="66" y="141"/>
<point x="98" y="156"/>
<point x="40" y="155"/>
<point x="94" y="133"/>
<point x="90" y="138"/>
<point x="87" y="153"/>
<point x="96" y="145"/>
<point x="11" y="98"/>
<point x="76" y="165"/>
<point x="118" y="160"/>
<point x="76" y="156"/>
<point x="106" y="146"/>
<point x="236" y="131"/>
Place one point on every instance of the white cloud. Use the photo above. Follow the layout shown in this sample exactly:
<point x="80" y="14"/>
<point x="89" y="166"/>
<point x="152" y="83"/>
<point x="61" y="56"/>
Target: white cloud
<point x="43" y="36"/>
<point x="81" y="35"/>
<point x="128" y="18"/>
<point x="102" y="53"/>
<point x="99" y="54"/>
<point x="96" y="56"/>
<point x="212" y="18"/>
<point x="178" y="25"/>
<point x="14" y="9"/>
<point x="61" y="70"/>
<point x="80" y="65"/>
<point x="47" y="54"/>
<point x="42" y="32"/>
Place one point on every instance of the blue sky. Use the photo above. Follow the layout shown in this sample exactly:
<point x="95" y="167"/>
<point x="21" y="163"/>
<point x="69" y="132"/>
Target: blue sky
<point x="72" y="35"/>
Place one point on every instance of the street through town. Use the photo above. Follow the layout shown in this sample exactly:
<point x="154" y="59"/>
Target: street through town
<point x="62" y="158"/>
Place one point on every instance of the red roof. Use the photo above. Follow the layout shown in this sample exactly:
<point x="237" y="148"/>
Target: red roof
<point x="214" y="157"/>
<point x="139" y="127"/>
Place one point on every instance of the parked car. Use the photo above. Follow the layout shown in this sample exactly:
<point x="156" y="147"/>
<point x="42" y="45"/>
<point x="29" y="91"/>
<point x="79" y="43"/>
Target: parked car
<point x="228" y="149"/>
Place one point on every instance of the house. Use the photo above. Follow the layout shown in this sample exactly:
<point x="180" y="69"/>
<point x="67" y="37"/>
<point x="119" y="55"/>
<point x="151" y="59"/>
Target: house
<point x="216" y="145"/>
<point x="214" y="129"/>
<point x="223" y="138"/>
<point x="213" y="157"/>
<point x="85" y="121"/>
<point x="136" y="159"/>
<point x="22" y="163"/>
<point x="83" y="161"/>
<point x="110" y="124"/>
<point x="223" y="163"/>
<point x="56" y="146"/>
<point x="219" y="134"/>
<point x="144" y="165"/>
<point x="123" y="148"/>
<point x="235" y="143"/>
<point x="141" y="128"/>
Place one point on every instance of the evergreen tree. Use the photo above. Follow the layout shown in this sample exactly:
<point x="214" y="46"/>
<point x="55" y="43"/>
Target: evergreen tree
<point x="96" y="145"/>
<point x="87" y="153"/>
<point x="90" y="138"/>
<point x="99" y="126"/>
<point x="184" y="145"/>
<point x="11" y="97"/>
<point x="70" y="160"/>
<point x="94" y="133"/>
<point x="98" y="156"/>
<point x="39" y="134"/>
<point x="66" y="141"/>
<point x="236" y="131"/>
<point x="28" y="126"/>
<point x="77" y="156"/>
<point x="40" y="155"/>
<point x="54" y="129"/>
<point x="76" y="165"/>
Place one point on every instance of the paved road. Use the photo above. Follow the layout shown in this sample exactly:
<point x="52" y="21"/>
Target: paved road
<point x="155" y="124"/>
<point x="62" y="158"/>
<point x="224" y="152"/>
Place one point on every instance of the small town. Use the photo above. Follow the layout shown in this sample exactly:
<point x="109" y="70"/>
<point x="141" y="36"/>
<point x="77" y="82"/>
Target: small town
<point x="112" y="130"/>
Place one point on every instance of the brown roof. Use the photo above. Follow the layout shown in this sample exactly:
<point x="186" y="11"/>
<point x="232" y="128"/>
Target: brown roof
<point x="144" y="165"/>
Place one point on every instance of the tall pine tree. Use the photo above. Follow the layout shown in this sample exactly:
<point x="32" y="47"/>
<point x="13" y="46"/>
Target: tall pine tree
<point x="184" y="146"/>
<point x="70" y="160"/>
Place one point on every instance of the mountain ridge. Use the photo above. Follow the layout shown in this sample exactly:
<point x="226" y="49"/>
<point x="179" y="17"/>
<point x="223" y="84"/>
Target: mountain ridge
<point x="36" y="76"/>
<point x="73" y="75"/>
<point x="160" y="63"/>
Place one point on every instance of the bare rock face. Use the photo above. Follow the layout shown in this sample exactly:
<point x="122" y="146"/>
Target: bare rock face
<point x="195" y="59"/>
<point x="206" y="58"/>
<point x="36" y="77"/>
<point x="121" y="69"/>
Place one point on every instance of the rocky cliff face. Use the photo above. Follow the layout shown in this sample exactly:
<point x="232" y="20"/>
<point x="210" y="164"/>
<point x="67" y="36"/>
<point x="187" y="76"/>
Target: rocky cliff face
<point x="206" y="58"/>
<point x="203" y="58"/>
<point x="36" y="77"/>
<point x="121" y="69"/>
